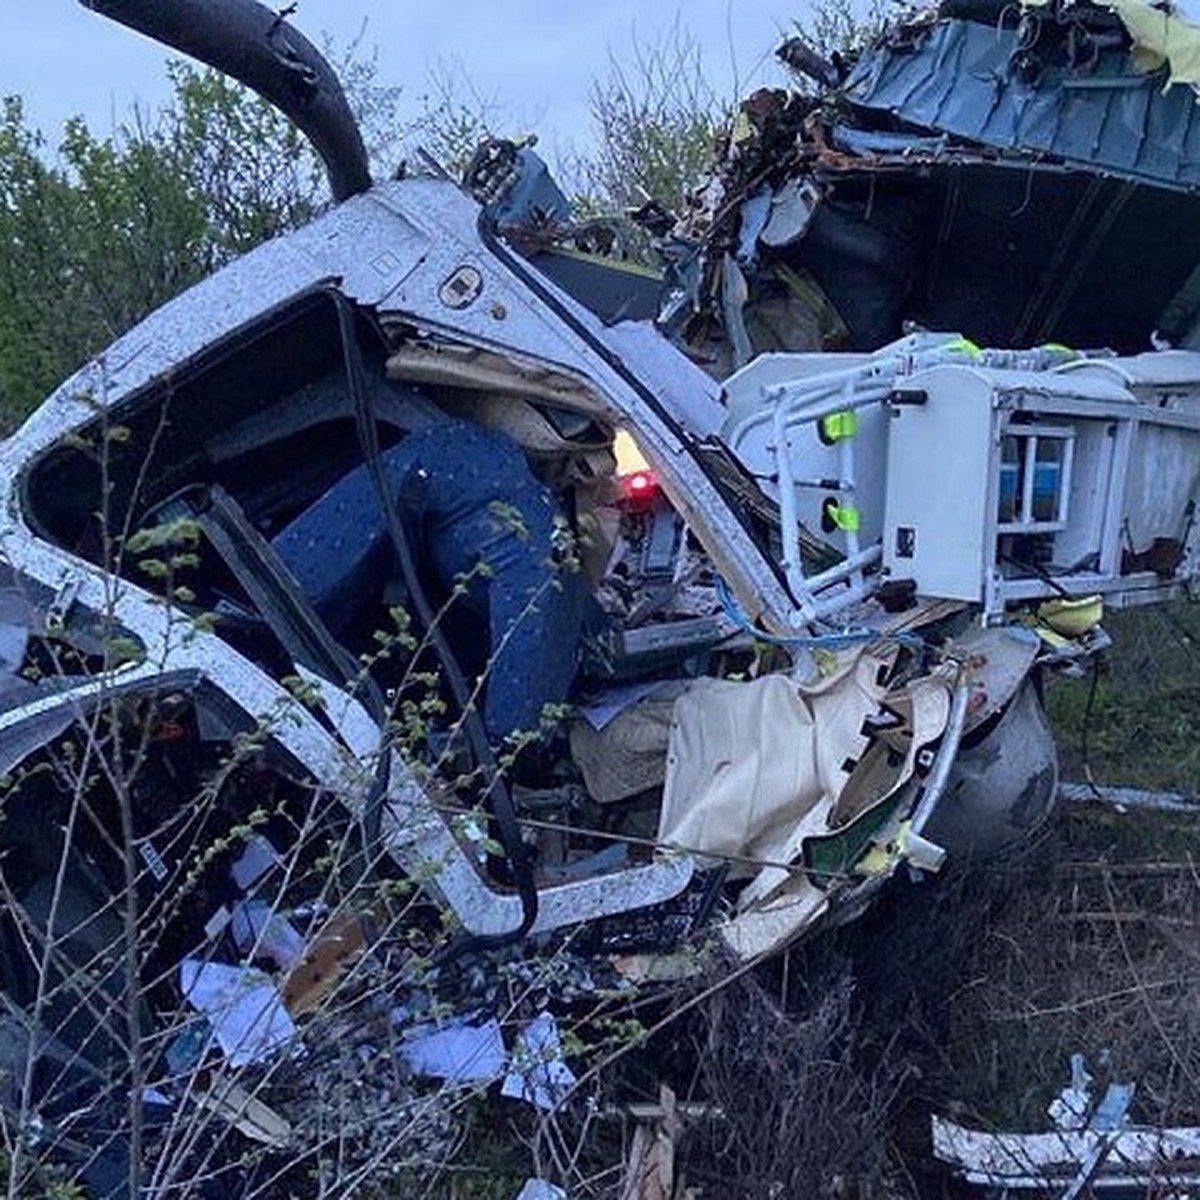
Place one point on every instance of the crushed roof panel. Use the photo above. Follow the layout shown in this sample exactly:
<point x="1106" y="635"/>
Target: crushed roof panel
<point x="960" y="79"/>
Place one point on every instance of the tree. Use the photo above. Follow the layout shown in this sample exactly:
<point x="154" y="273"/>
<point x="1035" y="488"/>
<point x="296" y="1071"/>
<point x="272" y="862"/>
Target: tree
<point x="843" y="28"/>
<point x="93" y="239"/>
<point x="92" y="242"/>
<point x="657" y="122"/>
<point x="454" y="118"/>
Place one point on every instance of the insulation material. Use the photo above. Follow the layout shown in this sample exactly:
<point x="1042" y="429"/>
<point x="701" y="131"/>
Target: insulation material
<point x="749" y="763"/>
<point x="769" y="925"/>
<point x="922" y="710"/>
<point x="1160" y="32"/>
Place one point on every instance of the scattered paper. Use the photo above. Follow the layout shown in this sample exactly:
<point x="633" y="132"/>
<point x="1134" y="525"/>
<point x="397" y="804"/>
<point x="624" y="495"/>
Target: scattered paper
<point x="538" y="1073"/>
<point x="539" y="1189"/>
<point x="259" y="930"/>
<point x="1069" y="1109"/>
<point x="215" y="925"/>
<point x="460" y="1053"/>
<point x="242" y="1006"/>
<point x="254" y="862"/>
<point x="602" y="710"/>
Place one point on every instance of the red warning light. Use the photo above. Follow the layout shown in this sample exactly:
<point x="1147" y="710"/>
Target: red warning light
<point x="641" y="485"/>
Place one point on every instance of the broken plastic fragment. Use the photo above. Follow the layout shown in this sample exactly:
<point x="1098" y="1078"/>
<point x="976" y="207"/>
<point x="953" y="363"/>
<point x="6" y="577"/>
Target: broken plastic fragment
<point x="1112" y="1113"/>
<point x="245" y="1112"/>
<point x="539" y="1189"/>
<point x="184" y="1053"/>
<point x="600" y="710"/>
<point x="259" y="930"/>
<point x="1069" y="1109"/>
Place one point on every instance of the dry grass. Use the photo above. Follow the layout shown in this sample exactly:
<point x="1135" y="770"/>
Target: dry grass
<point x="801" y="1114"/>
<point x="1097" y="952"/>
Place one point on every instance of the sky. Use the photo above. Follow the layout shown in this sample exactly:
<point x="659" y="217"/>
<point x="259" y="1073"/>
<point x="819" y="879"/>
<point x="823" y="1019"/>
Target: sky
<point x="530" y="60"/>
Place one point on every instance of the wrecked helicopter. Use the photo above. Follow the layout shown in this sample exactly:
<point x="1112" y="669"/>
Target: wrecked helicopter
<point x="706" y="661"/>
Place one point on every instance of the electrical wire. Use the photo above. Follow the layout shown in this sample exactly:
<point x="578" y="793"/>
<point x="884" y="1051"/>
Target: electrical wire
<point x="1084" y="725"/>
<point x="820" y="641"/>
<point x="603" y="835"/>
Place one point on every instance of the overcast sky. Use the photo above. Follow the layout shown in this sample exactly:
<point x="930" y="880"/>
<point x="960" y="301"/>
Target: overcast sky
<point x="534" y="58"/>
